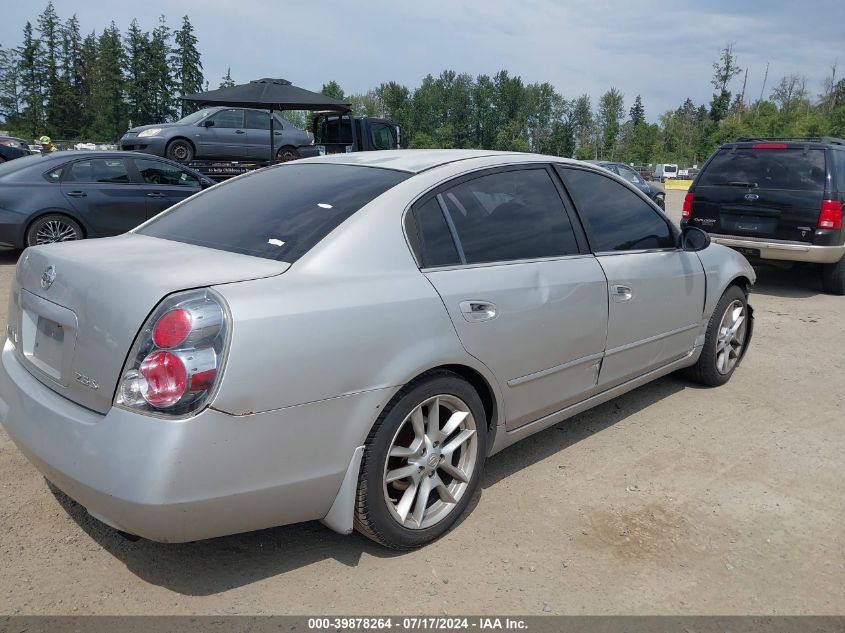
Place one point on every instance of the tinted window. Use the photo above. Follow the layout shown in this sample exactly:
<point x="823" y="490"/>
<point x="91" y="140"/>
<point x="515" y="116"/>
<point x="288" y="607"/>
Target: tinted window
<point x="154" y="172"/>
<point x="229" y="119"/>
<point x="767" y="168"/>
<point x="111" y="170"/>
<point x="290" y="208"/>
<point x="629" y="174"/>
<point x="617" y="219"/>
<point x="507" y="216"/>
<point x="382" y="137"/>
<point x="839" y="169"/>
<point x="436" y="244"/>
<point x="259" y="120"/>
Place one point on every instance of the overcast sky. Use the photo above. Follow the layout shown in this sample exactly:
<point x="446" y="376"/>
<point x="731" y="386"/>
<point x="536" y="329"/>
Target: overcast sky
<point x="661" y="50"/>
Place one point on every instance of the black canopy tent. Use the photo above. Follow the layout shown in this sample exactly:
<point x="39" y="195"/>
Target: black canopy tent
<point x="271" y="94"/>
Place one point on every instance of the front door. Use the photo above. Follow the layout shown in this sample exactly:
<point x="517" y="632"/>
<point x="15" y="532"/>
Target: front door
<point x="655" y="290"/>
<point x="226" y="138"/>
<point x="500" y="249"/>
<point x="102" y="192"/>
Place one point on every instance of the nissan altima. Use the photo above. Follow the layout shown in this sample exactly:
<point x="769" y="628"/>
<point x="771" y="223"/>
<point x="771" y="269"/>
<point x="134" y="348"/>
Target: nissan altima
<point x="348" y="338"/>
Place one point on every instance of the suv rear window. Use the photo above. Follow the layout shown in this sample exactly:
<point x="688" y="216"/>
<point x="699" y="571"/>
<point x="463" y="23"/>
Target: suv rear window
<point x="795" y="169"/>
<point x="277" y="213"/>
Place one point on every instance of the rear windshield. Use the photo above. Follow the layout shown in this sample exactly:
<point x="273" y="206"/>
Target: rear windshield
<point x="795" y="169"/>
<point x="670" y="168"/>
<point x="276" y="213"/>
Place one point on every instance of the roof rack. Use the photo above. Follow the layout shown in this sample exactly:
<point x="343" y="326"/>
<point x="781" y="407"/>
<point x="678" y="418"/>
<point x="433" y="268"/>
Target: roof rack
<point x="805" y="139"/>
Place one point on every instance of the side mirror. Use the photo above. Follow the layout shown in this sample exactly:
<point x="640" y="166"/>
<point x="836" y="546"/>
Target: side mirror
<point x="208" y="123"/>
<point x="694" y="239"/>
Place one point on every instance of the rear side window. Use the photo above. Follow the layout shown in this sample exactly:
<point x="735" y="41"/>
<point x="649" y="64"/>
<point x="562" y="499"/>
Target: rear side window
<point x="617" y="219"/>
<point x="796" y="169"/>
<point x="435" y="240"/>
<point x="102" y="170"/>
<point x="276" y="213"/>
<point x="154" y="172"/>
<point x="502" y="216"/>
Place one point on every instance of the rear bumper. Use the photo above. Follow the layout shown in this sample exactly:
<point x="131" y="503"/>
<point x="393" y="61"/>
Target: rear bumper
<point x="184" y="480"/>
<point x="784" y="251"/>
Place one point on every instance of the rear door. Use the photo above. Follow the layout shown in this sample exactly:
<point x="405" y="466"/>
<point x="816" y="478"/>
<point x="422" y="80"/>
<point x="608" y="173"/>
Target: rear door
<point x="655" y="290"/>
<point x="227" y="138"/>
<point x="164" y="184"/>
<point x="102" y="192"/>
<point x="768" y="190"/>
<point x="258" y="134"/>
<point x="525" y="299"/>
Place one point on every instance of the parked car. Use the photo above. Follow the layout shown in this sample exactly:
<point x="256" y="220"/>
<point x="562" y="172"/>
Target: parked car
<point x="218" y="133"/>
<point x="354" y="342"/>
<point x="665" y="171"/>
<point x="71" y="195"/>
<point x="333" y="133"/>
<point x="644" y="171"/>
<point x="12" y="148"/>
<point x="657" y="194"/>
<point x="775" y="200"/>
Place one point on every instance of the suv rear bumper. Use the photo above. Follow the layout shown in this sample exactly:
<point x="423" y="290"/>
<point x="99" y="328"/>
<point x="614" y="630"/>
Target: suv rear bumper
<point x="784" y="250"/>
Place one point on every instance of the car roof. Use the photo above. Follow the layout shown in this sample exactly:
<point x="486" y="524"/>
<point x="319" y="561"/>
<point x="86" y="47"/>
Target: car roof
<point x="815" y="143"/>
<point x="418" y="160"/>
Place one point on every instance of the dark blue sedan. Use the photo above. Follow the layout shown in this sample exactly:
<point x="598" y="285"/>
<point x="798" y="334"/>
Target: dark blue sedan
<point x="73" y="195"/>
<point x="631" y="175"/>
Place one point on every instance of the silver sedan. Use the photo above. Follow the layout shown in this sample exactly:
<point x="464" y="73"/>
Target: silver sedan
<point x="348" y="339"/>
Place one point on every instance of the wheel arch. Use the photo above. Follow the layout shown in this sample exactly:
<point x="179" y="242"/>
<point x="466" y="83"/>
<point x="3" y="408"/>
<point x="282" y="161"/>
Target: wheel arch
<point x="170" y="141"/>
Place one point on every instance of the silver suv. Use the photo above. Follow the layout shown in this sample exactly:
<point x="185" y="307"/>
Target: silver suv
<point x="218" y="133"/>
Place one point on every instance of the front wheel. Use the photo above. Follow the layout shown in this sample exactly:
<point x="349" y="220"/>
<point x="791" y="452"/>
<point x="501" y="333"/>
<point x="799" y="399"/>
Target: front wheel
<point x="180" y="151"/>
<point x="287" y="154"/>
<point x="833" y="277"/>
<point x="422" y="462"/>
<point x="727" y="335"/>
<point x="53" y="228"/>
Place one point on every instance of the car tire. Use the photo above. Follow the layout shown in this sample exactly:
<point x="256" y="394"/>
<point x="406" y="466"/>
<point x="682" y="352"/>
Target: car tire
<point x="287" y="154"/>
<point x="833" y="278"/>
<point x="405" y="456"/>
<point x="52" y="228"/>
<point x="725" y="341"/>
<point x="180" y="151"/>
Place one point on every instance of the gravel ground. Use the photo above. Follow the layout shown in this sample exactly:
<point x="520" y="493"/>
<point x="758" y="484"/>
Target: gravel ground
<point x="669" y="500"/>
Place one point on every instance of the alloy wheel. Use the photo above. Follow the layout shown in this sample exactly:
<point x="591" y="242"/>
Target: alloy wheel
<point x="55" y="231"/>
<point x="731" y="337"/>
<point x="431" y="462"/>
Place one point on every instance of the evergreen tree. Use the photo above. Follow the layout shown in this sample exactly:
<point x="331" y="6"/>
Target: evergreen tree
<point x="139" y="84"/>
<point x="187" y="64"/>
<point x="227" y="81"/>
<point x="30" y="58"/>
<point x="333" y="90"/>
<point x="583" y="126"/>
<point x="49" y="28"/>
<point x="69" y="100"/>
<point x="637" y="111"/>
<point x="611" y="110"/>
<point x="110" y="120"/>
<point x="9" y="97"/>
<point x="163" y="104"/>
<point x="89" y="54"/>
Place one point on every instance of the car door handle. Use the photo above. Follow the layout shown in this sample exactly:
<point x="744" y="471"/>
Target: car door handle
<point x="77" y="194"/>
<point x="477" y="311"/>
<point x="621" y="293"/>
<point x="239" y="132"/>
<point x="155" y="194"/>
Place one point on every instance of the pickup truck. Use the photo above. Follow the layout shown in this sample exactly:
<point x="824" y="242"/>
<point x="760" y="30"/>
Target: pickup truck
<point x="334" y="133"/>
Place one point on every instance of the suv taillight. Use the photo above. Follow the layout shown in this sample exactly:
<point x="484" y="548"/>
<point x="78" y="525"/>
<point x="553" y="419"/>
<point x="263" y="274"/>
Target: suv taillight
<point x="686" y="210"/>
<point x="177" y="359"/>
<point x="831" y="215"/>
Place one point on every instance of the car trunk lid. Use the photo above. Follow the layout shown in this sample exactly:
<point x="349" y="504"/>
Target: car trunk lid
<point x="770" y="193"/>
<point x="73" y="318"/>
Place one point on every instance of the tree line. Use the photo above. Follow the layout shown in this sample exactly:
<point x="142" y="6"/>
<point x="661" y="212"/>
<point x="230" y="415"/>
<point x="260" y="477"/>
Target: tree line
<point x="64" y="85"/>
<point x="59" y="83"/>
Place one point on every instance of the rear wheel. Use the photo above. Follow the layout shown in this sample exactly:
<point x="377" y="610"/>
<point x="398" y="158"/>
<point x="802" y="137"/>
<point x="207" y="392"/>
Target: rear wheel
<point x="180" y="150"/>
<point x="422" y="462"/>
<point x="833" y="277"/>
<point x="53" y="228"/>
<point x="287" y="154"/>
<point x="725" y="340"/>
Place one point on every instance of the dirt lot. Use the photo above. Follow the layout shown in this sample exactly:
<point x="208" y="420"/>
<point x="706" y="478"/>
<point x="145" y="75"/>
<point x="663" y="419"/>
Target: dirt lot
<point x="670" y="500"/>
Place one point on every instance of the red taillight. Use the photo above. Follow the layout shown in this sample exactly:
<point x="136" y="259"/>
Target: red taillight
<point x="177" y="359"/>
<point x="831" y="215"/>
<point x="686" y="210"/>
<point x="172" y="328"/>
<point x="165" y="379"/>
<point x="769" y="146"/>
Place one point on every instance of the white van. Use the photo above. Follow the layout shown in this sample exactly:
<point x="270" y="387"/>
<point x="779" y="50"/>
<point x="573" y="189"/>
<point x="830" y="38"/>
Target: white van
<point x="663" y="172"/>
